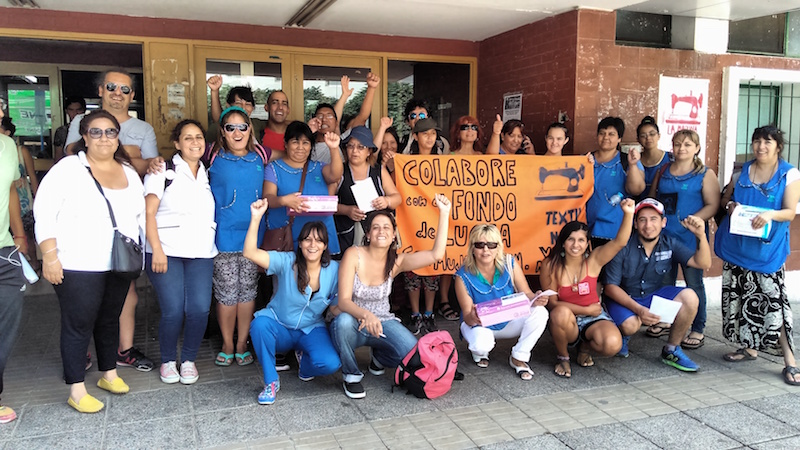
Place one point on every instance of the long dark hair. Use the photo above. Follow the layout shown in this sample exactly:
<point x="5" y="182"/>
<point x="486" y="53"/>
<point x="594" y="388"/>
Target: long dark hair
<point x="300" y="260"/>
<point x="391" y="257"/>
<point x="556" y="260"/>
<point x="175" y="136"/>
<point x="120" y="155"/>
<point x="221" y="143"/>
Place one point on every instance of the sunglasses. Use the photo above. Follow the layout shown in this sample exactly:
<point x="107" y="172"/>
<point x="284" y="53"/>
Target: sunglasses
<point x="413" y="116"/>
<point x="354" y="146"/>
<point x="482" y="245"/>
<point x="231" y="127"/>
<point x="112" y="87"/>
<point x="97" y="133"/>
<point x="468" y="126"/>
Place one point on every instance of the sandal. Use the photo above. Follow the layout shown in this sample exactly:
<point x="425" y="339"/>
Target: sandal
<point x="525" y="372"/>
<point x="693" y="343"/>
<point x="244" y="359"/>
<point x="446" y="311"/>
<point x="563" y="364"/>
<point x="739" y="356"/>
<point x="584" y="359"/>
<point x="482" y="363"/>
<point x="223" y="359"/>
<point x="658" y="330"/>
<point x="790" y="375"/>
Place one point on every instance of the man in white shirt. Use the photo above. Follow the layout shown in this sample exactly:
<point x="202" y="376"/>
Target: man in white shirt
<point x="139" y="140"/>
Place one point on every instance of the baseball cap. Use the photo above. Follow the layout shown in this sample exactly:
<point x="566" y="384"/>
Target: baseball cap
<point x="362" y="134"/>
<point x="424" y="125"/>
<point x="649" y="203"/>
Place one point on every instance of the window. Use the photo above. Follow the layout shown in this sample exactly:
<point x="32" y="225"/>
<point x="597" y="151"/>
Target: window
<point x="643" y="29"/>
<point x="760" y="35"/>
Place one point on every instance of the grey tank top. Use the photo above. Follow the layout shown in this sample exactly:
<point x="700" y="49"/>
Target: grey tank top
<point x="374" y="299"/>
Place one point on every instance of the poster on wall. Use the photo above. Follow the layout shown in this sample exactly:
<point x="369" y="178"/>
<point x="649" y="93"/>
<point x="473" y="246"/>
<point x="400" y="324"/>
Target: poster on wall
<point x="512" y="107"/>
<point x="29" y="107"/>
<point x="682" y="104"/>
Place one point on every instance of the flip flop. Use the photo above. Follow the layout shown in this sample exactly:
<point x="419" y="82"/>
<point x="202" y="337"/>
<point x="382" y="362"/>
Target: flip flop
<point x="790" y="374"/>
<point x="735" y="356"/>
<point x="525" y="372"/>
<point x="693" y="346"/>
<point x="244" y="359"/>
<point x="446" y="311"/>
<point x="586" y="361"/>
<point x="223" y="359"/>
<point x="657" y="330"/>
<point x="563" y="363"/>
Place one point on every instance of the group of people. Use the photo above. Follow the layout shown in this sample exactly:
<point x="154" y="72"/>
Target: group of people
<point x="202" y="213"/>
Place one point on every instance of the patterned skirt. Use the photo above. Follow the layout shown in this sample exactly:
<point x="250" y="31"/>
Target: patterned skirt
<point x="754" y="307"/>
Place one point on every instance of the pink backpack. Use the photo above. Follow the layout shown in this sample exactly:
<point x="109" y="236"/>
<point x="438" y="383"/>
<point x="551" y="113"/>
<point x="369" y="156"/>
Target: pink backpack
<point x="427" y="371"/>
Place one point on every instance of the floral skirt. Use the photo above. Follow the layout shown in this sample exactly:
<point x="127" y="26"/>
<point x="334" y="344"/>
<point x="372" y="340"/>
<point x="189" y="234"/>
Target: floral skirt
<point x="755" y="307"/>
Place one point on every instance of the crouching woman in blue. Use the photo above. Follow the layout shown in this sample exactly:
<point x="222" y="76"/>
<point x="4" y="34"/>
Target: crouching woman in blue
<point x="293" y="319"/>
<point x="365" y="282"/>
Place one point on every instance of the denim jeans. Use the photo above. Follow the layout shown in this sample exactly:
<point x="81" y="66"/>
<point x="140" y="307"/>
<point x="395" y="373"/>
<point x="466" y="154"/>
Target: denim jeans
<point x="389" y="350"/>
<point x="694" y="280"/>
<point x="184" y="296"/>
<point x="12" y="286"/>
<point x="270" y="337"/>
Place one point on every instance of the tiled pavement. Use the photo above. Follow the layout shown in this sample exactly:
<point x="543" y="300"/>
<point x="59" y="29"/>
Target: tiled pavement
<point x="630" y="403"/>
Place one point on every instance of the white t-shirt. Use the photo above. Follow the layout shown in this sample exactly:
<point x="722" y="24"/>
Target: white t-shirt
<point x="71" y="209"/>
<point x="132" y="132"/>
<point x="185" y="216"/>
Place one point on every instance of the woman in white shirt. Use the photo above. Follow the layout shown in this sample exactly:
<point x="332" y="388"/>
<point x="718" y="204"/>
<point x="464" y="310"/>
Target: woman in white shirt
<point x="180" y="250"/>
<point x="74" y="230"/>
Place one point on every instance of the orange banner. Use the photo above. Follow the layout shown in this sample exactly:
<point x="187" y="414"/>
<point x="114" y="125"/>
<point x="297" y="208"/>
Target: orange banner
<point x="529" y="198"/>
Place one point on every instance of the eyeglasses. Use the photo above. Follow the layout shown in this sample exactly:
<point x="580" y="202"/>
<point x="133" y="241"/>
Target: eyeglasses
<point x="413" y="116"/>
<point x="482" y="245"/>
<point x="325" y="116"/>
<point x="242" y="103"/>
<point x="97" y="133"/>
<point x="651" y="134"/>
<point x="469" y="126"/>
<point x="354" y="146"/>
<point x="231" y="127"/>
<point x="112" y="87"/>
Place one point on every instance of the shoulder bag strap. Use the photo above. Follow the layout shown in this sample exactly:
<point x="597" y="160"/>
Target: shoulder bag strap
<point x="100" y="188"/>
<point x="660" y="172"/>
<point x="302" y="184"/>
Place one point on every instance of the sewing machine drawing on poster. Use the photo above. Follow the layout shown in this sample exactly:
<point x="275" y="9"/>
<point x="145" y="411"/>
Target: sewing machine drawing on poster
<point x="560" y="182"/>
<point x="685" y="109"/>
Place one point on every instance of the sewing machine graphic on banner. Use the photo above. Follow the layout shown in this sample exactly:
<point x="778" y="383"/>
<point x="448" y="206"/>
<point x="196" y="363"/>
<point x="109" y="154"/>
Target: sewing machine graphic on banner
<point x="560" y="182"/>
<point x="685" y="109"/>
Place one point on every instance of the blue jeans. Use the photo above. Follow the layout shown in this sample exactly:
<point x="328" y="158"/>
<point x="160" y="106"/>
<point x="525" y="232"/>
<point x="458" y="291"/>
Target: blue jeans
<point x="270" y="337"/>
<point x="694" y="280"/>
<point x="11" y="301"/>
<point x="184" y="296"/>
<point x="389" y="351"/>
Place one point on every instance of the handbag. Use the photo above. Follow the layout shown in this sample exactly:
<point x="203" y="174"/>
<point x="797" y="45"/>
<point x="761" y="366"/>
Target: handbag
<point x="280" y="239"/>
<point x="127" y="256"/>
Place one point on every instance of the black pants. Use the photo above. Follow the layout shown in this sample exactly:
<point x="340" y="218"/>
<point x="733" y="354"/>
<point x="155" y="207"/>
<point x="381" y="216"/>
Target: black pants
<point x="91" y="303"/>
<point x="11" y="292"/>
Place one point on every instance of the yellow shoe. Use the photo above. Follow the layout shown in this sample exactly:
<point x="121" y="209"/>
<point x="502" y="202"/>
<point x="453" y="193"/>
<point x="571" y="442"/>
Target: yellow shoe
<point x="115" y="387"/>
<point x="7" y="414"/>
<point x="88" y="404"/>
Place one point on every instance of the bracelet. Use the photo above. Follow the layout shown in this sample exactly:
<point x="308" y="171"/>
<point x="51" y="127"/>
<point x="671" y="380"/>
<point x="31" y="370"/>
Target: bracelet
<point x="728" y="205"/>
<point x="50" y="251"/>
<point x="21" y="237"/>
<point x="52" y="262"/>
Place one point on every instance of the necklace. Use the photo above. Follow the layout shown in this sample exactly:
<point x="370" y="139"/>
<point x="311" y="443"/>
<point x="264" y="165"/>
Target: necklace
<point x="574" y="277"/>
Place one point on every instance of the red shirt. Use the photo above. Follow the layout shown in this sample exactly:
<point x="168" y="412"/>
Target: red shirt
<point x="273" y="140"/>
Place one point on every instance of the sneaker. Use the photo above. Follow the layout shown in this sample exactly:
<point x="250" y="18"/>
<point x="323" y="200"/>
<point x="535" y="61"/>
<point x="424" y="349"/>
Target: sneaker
<point x="416" y="324"/>
<point x="623" y="351"/>
<point x="281" y="362"/>
<point x="354" y="390"/>
<point x="88" y="362"/>
<point x="134" y="358"/>
<point x="678" y="360"/>
<point x="7" y="414"/>
<point x="430" y="323"/>
<point x="375" y="367"/>
<point x="267" y="396"/>
<point x="169" y="373"/>
<point x="299" y="355"/>
<point x="189" y="373"/>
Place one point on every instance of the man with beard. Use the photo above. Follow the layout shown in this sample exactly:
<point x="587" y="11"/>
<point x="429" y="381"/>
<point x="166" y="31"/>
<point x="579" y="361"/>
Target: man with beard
<point x="637" y="274"/>
<point x="278" y="109"/>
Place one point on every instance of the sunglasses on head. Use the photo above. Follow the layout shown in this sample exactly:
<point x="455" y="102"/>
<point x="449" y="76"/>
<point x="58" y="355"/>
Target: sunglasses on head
<point x="413" y="116"/>
<point x="469" y="126"/>
<point x="97" y="133"/>
<point x="481" y="245"/>
<point x="111" y="87"/>
<point x="231" y="127"/>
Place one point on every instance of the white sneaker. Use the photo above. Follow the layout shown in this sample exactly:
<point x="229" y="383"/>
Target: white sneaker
<point x="169" y="373"/>
<point x="189" y="372"/>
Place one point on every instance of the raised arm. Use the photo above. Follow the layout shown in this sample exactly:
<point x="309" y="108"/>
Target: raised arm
<point x="605" y="253"/>
<point x="251" y="250"/>
<point x="634" y="180"/>
<point x="423" y="258"/>
<point x="386" y="122"/>
<point x="373" y="81"/>
<point x="494" y="142"/>
<point x="338" y="107"/>
<point x="215" y="83"/>
<point x="333" y="172"/>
